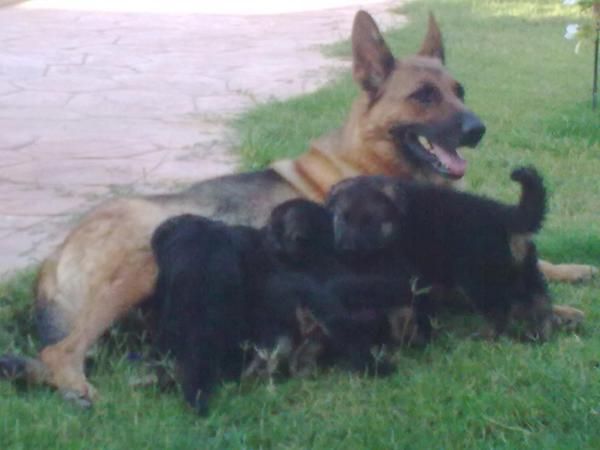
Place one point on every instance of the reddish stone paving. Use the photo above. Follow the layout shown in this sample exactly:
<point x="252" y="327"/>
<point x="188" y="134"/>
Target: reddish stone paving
<point x="97" y="103"/>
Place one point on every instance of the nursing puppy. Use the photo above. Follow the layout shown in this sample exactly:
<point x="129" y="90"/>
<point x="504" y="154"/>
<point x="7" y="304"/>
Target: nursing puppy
<point x="200" y="296"/>
<point x="454" y="239"/>
<point x="289" y="299"/>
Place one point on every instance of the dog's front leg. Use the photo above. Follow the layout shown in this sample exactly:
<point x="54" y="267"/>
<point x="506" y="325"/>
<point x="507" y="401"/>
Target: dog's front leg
<point x="568" y="273"/>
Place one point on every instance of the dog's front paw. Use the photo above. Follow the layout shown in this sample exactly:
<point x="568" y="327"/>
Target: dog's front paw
<point x="567" y="317"/>
<point x="82" y="399"/>
<point x="574" y="273"/>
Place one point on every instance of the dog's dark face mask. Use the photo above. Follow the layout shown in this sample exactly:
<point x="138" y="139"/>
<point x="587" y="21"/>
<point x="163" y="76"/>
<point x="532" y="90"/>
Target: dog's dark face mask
<point x="365" y="221"/>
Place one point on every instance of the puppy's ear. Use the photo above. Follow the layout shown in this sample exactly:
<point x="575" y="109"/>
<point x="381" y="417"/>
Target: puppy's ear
<point x="372" y="60"/>
<point x="433" y="45"/>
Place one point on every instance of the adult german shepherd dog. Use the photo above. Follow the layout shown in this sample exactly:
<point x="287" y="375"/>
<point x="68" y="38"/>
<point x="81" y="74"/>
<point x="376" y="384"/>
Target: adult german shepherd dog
<point x="105" y="266"/>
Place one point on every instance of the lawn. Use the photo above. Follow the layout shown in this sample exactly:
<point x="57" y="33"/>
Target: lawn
<point x="523" y="78"/>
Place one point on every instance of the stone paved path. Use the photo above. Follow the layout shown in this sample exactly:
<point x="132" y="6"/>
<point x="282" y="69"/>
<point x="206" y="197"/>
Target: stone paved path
<point x="101" y="102"/>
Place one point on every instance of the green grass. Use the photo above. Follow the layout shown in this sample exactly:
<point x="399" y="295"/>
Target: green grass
<point x="533" y="92"/>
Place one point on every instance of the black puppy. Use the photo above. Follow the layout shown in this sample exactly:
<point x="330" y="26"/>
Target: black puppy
<point x="454" y="239"/>
<point x="200" y="295"/>
<point x="289" y="296"/>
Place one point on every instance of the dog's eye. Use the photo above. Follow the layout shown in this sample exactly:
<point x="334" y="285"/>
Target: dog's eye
<point x="426" y="94"/>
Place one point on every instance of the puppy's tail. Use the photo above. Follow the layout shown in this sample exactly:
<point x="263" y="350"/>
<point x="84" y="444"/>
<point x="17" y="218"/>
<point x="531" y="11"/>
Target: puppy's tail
<point x="529" y="213"/>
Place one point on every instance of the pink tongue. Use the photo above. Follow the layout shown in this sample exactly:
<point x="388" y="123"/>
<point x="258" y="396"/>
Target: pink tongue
<point x="453" y="162"/>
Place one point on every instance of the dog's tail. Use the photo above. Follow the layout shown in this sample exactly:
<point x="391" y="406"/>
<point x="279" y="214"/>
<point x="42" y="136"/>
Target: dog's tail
<point x="529" y="213"/>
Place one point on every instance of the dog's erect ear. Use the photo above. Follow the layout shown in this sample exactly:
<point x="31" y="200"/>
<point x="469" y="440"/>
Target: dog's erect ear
<point x="433" y="45"/>
<point x="372" y="59"/>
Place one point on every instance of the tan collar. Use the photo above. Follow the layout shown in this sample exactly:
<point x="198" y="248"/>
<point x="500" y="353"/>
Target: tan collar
<point x="314" y="172"/>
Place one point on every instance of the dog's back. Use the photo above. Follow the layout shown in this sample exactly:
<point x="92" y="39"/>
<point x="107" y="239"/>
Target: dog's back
<point x="469" y="227"/>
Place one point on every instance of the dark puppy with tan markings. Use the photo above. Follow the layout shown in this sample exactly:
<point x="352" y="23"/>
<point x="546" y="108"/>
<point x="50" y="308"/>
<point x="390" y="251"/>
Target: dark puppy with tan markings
<point x="454" y="239"/>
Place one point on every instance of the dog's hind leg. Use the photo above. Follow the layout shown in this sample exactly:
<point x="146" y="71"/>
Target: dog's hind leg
<point x="65" y="359"/>
<point x="103" y="269"/>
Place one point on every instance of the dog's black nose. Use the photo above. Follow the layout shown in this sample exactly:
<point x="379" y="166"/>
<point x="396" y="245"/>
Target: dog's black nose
<point x="472" y="130"/>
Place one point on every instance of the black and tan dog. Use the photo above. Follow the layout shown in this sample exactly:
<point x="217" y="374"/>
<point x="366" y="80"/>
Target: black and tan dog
<point x="105" y="266"/>
<point x="454" y="239"/>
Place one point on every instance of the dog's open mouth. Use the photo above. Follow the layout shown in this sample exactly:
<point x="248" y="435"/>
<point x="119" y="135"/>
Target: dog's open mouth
<point x="444" y="160"/>
<point x="421" y="149"/>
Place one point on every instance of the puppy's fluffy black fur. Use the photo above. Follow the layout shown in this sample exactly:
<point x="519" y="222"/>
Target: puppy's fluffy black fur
<point x="200" y="294"/>
<point x="453" y="239"/>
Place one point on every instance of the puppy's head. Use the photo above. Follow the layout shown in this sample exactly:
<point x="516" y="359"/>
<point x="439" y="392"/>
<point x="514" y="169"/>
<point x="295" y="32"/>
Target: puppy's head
<point x="366" y="214"/>
<point x="299" y="229"/>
